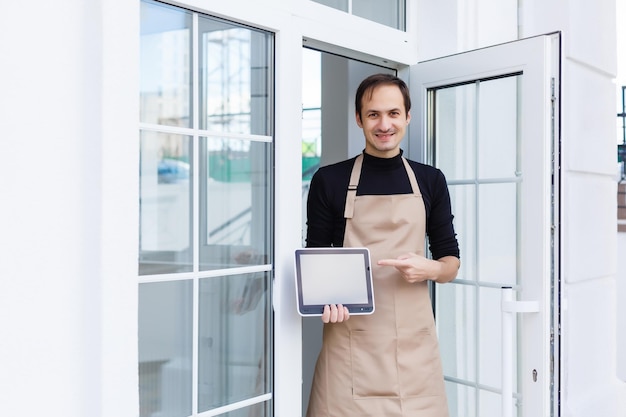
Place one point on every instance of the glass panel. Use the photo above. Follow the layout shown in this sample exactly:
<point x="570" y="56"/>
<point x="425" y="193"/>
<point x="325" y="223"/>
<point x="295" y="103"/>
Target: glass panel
<point x="165" y="203"/>
<point x="387" y="12"/>
<point x="233" y="201"/>
<point x="455" y="130"/>
<point x="497" y="229"/>
<point x="165" y="65"/>
<point x="257" y="410"/>
<point x="490" y="404"/>
<point x="311" y="123"/>
<point x="463" y="201"/>
<point x="335" y="4"/>
<point x="457" y="329"/>
<point x="234" y="78"/>
<point x="461" y="400"/>
<point x="165" y="349"/>
<point x="472" y="146"/>
<point x="497" y="138"/>
<point x="490" y="337"/>
<point x="234" y="339"/>
<point x="236" y="203"/>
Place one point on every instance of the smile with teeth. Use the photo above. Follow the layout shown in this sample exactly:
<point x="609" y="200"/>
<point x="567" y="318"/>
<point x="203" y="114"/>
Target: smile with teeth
<point x="385" y="135"/>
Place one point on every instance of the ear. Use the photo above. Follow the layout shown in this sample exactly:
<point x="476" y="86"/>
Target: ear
<point x="358" y="120"/>
<point x="408" y="117"/>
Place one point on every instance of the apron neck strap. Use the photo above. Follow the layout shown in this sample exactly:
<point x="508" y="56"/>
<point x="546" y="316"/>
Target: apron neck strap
<point x="412" y="178"/>
<point x="354" y="182"/>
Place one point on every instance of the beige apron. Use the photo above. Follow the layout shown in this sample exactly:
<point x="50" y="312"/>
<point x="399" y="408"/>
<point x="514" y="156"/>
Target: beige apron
<point x="386" y="364"/>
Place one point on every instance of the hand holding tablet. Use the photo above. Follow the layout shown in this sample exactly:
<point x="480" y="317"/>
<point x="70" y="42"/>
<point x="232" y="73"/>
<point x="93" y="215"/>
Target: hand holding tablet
<point x="335" y="313"/>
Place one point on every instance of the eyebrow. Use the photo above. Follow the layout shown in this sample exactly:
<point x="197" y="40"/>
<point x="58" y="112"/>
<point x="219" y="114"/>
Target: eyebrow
<point x="383" y="111"/>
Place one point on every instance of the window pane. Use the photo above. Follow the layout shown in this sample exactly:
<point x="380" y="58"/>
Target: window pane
<point x="497" y="136"/>
<point x="457" y="329"/>
<point x="235" y="209"/>
<point x="165" y="203"/>
<point x="165" y="65"/>
<point x="165" y="349"/>
<point x="386" y="12"/>
<point x="461" y="400"/>
<point x="335" y="4"/>
<point x="234" y="339"/>
<point x="221" y="220"/>
<point x="455" y="128"/>
<point x="234" y="78"/>
<point x="497" y="229"/>
<point x="463" y="201"/>
<point x="257" y="410"/>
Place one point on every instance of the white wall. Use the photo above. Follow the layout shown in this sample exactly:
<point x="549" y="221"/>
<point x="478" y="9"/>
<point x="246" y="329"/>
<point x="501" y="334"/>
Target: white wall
<point x="588" y="203"/>
<point x="68" y="230"/>
<point x="621" y="308"/>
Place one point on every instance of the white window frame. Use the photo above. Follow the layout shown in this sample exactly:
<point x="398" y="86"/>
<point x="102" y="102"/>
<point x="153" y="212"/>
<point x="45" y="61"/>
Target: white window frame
<point x="294" y="23"/>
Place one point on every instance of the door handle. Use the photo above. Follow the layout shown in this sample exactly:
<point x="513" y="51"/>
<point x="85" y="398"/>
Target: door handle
<point x="510" y="308"/>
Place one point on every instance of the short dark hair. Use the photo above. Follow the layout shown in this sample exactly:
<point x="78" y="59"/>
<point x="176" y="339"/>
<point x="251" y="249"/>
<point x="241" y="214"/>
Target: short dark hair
<point x="368" y="85"/>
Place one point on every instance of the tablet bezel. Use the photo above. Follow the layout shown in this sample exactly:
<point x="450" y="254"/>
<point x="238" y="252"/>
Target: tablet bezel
<point x="317" y="309"/>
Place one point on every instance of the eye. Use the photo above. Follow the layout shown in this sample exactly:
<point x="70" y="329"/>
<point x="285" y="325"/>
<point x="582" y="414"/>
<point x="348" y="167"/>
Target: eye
<point x="372" y="115"/>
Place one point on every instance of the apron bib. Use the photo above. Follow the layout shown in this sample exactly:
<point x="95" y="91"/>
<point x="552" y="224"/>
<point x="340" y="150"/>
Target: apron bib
<point x="386" y="364"/>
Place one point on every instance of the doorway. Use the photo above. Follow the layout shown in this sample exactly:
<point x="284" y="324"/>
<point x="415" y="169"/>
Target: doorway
<point x="329" y="134"/>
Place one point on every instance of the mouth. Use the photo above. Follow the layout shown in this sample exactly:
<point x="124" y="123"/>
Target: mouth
<point x="384" y="135"/>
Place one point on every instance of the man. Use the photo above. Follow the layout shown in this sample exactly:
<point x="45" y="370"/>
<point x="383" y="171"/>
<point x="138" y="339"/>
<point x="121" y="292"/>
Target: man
<point x="386" y="364"/>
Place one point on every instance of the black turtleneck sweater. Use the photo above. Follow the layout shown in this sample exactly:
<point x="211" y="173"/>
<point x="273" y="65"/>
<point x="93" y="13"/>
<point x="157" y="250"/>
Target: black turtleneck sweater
<point x="379" y="176"/>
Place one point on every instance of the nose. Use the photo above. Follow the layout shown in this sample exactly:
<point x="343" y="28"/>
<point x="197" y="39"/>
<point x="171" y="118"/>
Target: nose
<point x="384" y="123"/>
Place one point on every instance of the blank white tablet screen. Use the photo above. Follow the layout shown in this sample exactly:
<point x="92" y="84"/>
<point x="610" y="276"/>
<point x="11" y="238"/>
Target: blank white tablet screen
<point x="333" y="279"/>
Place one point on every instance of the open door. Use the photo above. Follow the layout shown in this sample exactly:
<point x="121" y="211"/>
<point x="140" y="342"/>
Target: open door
<point x="490" y="123"/>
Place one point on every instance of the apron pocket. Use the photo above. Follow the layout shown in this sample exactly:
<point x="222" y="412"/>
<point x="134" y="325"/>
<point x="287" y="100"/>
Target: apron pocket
<point x="419" y="363"/>
<point x="374" y="366"/>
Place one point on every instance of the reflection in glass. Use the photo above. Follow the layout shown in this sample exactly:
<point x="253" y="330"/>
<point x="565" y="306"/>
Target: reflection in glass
<point x="223" y="219"/>
<point x="235" y="203"/>
<point x="234" y="339"/>
<point x="256" y="410"/>
<point x="165" y="65"/>
<point x="234" y="78"/>
<point x="457" y="330"/>
<point x="491" y="404"/>
<point x="475" y="132"/>
<point x="335" y="4"/>
<point x="497" y="228"/>
<point x="490" y="331"/>
<point x="165" y="195"/>
<point x="455" y="128"/>
<point x="497" y="138"/>
<point x="463" y="201"/>
<point x="461" y="400"/>
<point x="471" y="141"/>
<point x="387" y="12"/>
<point x="165" y="349"/>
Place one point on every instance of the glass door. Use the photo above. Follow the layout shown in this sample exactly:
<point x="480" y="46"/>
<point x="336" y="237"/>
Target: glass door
<point x="489" y="122"/>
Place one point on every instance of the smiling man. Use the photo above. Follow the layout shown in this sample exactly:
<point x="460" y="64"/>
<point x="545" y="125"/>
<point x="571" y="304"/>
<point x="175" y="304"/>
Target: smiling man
<point x="388" y="363"/>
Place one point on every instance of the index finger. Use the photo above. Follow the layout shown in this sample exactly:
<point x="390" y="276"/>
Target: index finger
<point x="391" y="262"/>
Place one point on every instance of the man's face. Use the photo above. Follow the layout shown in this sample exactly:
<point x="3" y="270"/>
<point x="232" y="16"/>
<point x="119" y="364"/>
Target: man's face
<point x="384" y="120"/>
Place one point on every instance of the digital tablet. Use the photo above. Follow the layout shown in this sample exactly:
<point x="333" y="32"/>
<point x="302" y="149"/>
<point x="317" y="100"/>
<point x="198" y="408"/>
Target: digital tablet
<point x="334" y="276"/>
